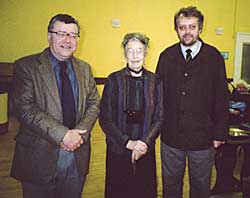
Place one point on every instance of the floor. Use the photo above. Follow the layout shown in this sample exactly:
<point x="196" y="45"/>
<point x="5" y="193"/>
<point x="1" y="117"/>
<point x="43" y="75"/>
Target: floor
<point x="94" y="186"/>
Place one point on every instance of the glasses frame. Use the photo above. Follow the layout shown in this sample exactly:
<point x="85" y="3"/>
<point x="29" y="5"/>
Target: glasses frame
<point x="62" y="34"/>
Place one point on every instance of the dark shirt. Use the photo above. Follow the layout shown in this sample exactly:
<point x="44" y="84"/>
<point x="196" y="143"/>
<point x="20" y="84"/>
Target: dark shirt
<point x="195" y="98"/>
<point x="134" y="108"/>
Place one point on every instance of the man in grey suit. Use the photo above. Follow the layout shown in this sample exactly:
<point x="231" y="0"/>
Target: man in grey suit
<point x="57" y="103"/>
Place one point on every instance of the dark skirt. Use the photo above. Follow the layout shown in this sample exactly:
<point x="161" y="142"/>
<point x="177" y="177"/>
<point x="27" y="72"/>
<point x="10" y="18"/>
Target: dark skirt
<point x="123" y="180"/>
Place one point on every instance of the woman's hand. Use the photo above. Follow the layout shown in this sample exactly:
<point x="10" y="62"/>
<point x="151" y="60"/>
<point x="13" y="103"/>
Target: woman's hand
<point x="138" y="147"/>
<point x="141" y="147"/>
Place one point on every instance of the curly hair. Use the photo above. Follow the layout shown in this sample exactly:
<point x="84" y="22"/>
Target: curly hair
<point x="136" y="36"/>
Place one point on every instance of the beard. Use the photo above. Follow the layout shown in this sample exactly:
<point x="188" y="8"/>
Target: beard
<point x="192" y="40"/>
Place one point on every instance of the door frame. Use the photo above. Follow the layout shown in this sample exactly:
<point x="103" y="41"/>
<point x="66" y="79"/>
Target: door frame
<point x="241" y="38"/>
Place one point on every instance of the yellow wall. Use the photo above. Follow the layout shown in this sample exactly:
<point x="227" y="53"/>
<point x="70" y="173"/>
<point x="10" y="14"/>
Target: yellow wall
<point x="3" y="108"/>
<point x="24" y="27"/>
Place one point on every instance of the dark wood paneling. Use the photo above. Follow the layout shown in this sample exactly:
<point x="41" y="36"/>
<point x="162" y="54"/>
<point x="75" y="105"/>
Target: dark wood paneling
<point x="6" y="75"/>
<point x="4" y="127"/>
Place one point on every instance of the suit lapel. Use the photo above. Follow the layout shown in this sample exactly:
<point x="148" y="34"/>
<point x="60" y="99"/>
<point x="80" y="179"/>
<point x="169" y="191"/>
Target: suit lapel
<point x="79" y="73"/>
<point x="47" y="73"/>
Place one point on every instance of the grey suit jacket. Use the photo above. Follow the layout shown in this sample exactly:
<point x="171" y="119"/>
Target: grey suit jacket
<point x="37" y="106"/>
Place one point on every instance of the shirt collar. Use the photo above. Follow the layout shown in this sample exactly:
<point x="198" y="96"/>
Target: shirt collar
<point x="55" y="62"/>
<point x="195" y="48"/>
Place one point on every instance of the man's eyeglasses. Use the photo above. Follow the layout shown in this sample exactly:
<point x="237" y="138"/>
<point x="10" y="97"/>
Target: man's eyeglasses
<point x="61" y="34"/>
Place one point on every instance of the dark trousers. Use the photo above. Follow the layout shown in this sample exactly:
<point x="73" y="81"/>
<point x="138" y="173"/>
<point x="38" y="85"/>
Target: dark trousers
<point x="200" y="165"/>
<point x="67" y="183"/>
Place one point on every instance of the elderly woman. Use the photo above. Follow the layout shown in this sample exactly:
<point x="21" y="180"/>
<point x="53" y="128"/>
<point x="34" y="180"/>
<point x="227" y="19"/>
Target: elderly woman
<point x="131" y="117"/>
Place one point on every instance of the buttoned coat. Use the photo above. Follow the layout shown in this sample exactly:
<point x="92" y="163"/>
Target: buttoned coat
<point x="195" y="98"/>
<point x="38" y="108"/>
